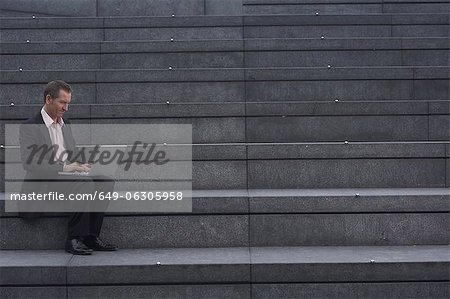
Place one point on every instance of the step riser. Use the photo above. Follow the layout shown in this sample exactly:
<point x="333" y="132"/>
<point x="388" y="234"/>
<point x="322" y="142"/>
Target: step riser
<point x="104" y="8"/>
<point x="304" y="290"/>
<point x="347" y="90"/>
<point x="300" y="174"/>
<point x="211" y="7"/>
<point x="344" y="31"/>
<point x="361" y="128"/>
<point x="9" y="35"/>
<point x="197" y="291"/>
<point x="276" y="151"/>
<point x="228" y="60"/>
<point x="352" y="290"/>
<point x="365" y="8"/>
<point x="234" y="230"/>
<point x="124" y="34"/>
<point x="293" y="203"/>
<point x="417" y="173"/>
<point x="324" y="109"/>
<point x="347" y="58"/>
<point x="132" y="92"/>
<point x="309" y="129"/>
<point x="249" y="46"/>
<point x="296" y="166"/>
<point x="366" y="229"/>
<point x="266" y="91"/>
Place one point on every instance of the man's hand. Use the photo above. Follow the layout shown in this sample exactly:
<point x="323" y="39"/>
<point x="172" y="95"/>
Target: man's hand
<point x="75" y="166"/>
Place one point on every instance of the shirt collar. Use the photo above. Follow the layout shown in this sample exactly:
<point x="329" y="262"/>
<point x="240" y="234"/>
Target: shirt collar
<point x="48" y="120"/>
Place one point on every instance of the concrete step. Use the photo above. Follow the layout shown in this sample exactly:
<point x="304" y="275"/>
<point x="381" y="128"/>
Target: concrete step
<point x="232" y="230"/>
<point x="233" y="85"/>
<point x="343" y="7"/>
<point x="355" y="128"/>
<point x="253" y="53"/>
<point x="260" y="53"/>
<point x="280" y="122"/>
<point x="223" y="27"/>
<point x="305" y="26"/>
<point x="345" y="83"/>
<point x="299" y="166"/>
<point x="24" y="8"/>
<point x="52" y="8"/>
<point x="231" y="45"/>
<point x="125" y="28"/>
<point x="231" y="122"/>
<point x="280" y="151"/>
<point x="177" y="21"/>
<point x="225" y="218"/>
<point x="172" y="109"/>
<point x="80" y="8"/>
<point x="255" y="272"/>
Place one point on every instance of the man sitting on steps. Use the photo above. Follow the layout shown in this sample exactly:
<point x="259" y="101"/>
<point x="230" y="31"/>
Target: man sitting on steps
<point x="49" y="129"/>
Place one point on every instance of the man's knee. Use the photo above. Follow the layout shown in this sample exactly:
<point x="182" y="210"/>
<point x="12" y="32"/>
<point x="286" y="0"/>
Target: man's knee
<point x="86" y="185"/>
<point x="104" y="183"/>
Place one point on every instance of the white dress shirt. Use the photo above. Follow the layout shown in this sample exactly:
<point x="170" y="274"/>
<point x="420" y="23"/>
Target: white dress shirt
<point x="56" y="135"/>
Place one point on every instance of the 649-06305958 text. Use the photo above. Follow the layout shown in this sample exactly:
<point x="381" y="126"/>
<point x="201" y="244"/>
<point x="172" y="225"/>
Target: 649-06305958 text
<point x="111" y="196"/>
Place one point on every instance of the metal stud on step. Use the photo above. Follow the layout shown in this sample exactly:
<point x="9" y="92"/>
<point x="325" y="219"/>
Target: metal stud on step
<point x="346" y="141"/>
<point x="28" y="41"/>
<point x="317" y="13"/>
<point x="372" y="261"/>
<point x="357" y="195"/>
<point x="11" y="104"/>
<point x="167" y="102"/>
<point x="34" y="17"/>
<point x="20" y="70"/>
<point x="171" y="39"/>
<point x="170" y="68"/>
<point x="173" y="15"/>
<point x="336" y="101"/>
<point x="322" y="37"/>
<point x="164" y="143"/>
<point x="2" y="146"/>
<point x="329" y="66"/>
<point x="158" y="263"/>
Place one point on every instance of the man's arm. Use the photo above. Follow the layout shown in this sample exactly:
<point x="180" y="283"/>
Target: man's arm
<point x="35" y="154"/>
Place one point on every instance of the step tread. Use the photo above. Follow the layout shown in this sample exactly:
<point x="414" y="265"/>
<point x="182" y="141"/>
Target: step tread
<point x="200" y="265"/>
<point x="229" y="255"/>
<point x="349" y="254"/>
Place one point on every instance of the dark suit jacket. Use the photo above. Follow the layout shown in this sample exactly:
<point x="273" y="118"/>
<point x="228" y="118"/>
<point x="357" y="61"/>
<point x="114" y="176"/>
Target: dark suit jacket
<point x="39" y="174"/>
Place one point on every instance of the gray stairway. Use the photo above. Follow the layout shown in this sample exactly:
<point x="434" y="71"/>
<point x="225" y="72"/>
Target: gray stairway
<point x="321" y="156"/>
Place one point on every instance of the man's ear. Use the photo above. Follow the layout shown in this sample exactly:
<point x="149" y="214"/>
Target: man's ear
<point x="48" y="99"/>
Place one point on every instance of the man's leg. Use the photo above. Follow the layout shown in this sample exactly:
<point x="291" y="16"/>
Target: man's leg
<point x="78" y="226"/>
<point x="103" y="184"/>
<point x="84" y="226"/>
<point x="106" y="185"/>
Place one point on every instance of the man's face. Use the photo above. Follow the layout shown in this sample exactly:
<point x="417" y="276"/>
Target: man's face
<point x="56" y="107"/>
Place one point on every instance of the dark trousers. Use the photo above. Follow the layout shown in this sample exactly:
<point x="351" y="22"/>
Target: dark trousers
<point x="83" y="224"/>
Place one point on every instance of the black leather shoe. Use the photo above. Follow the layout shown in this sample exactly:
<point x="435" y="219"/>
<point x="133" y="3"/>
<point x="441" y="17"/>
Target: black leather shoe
<point x="76" y="246"/>
<point x="95" y="243"/>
